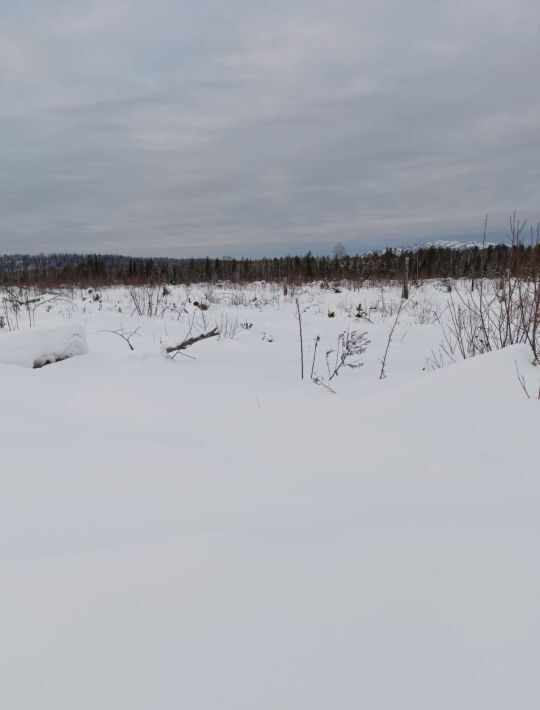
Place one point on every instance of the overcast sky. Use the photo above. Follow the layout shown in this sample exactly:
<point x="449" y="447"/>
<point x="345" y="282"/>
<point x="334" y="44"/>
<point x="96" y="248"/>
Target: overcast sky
<point x="228" y="127"/>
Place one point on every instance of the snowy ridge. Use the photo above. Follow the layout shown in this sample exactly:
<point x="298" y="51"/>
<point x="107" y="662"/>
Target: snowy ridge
<point x="437" y="244"/>
<point x="450" y="244"/>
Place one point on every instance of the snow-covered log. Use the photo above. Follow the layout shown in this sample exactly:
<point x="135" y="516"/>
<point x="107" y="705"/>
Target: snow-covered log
<point x="38" y="347"/>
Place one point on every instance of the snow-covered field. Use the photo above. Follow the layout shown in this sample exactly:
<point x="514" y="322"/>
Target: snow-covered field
<point x="210" y="531"/>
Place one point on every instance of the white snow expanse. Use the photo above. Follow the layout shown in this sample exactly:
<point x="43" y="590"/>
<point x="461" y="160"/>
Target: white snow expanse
<point x="216" y="533"/>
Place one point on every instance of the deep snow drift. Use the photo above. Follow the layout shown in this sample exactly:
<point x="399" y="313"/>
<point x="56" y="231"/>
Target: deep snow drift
<point x="216" y="533"/>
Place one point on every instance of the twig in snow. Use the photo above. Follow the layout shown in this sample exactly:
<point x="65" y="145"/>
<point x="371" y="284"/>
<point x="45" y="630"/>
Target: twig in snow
<point x="299" y="316"/>
<point x="322" y="383"/>
<point x="382" y="374"/>
<point x="124" y="334"/>
<point x="521" y="380"/>
<point x="316" y="340"/>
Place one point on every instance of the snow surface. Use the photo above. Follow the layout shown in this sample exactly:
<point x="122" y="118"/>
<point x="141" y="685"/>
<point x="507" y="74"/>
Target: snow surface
<point x="215" y="533"/>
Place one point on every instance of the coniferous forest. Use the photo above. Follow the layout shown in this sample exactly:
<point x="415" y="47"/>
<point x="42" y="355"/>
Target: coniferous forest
<point x="423" y="263"/>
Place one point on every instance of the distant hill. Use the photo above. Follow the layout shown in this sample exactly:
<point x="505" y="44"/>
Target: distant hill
<point x="450" y="244"/>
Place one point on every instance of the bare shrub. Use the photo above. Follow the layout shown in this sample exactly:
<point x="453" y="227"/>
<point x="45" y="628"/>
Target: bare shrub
<point x="350" y="346"/>
<point x="22" y="302"/>
<point x="228" y="327"/>
<point x="126" y="335"/>
<point x="500" y="312"/>
<point x="147" y="300"/>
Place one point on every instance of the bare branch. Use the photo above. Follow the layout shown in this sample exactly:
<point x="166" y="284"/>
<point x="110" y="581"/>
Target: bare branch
<point x="124" y="334"/>
<point x="299" y="316"/>
<point x="188" y="342"/>
<point x="521" y="380"/>
<point x="382" y="374"/>
<point x="319" y="381"/>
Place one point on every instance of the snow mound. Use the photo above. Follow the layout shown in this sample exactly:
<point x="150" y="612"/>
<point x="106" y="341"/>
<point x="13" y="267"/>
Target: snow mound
<point x="38" y="347"/>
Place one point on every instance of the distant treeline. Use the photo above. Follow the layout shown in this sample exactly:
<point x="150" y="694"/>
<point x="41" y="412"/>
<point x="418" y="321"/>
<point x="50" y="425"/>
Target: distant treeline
<point x="425" y="263"/>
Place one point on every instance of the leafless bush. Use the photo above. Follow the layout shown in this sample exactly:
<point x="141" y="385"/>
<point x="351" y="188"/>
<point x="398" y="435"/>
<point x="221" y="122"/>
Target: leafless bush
<point x="435" y="361"/>
<point x="147" y="300"/>
<point x="228" y="327"/>
<point x="350" y="346"/>
<point x="386" y="308"/>
<point x="499" y="312"/>
<point x="174" y="310"/>
<point x="237" y="297"/>
<point x="126" y="335"/>
<point x="22" y="303"/>
<point x="424" y="313"/>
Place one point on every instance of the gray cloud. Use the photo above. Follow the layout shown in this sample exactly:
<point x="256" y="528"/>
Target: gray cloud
<point x="183" y="128"/>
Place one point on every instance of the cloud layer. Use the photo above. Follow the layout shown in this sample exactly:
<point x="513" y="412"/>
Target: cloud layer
<point x="244" y="127"/>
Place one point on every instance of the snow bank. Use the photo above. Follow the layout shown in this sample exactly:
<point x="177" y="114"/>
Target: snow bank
<point x="38" y="347"/>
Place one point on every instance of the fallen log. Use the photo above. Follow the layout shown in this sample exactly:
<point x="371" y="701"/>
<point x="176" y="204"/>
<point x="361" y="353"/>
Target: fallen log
<point x="188" y="342"/>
